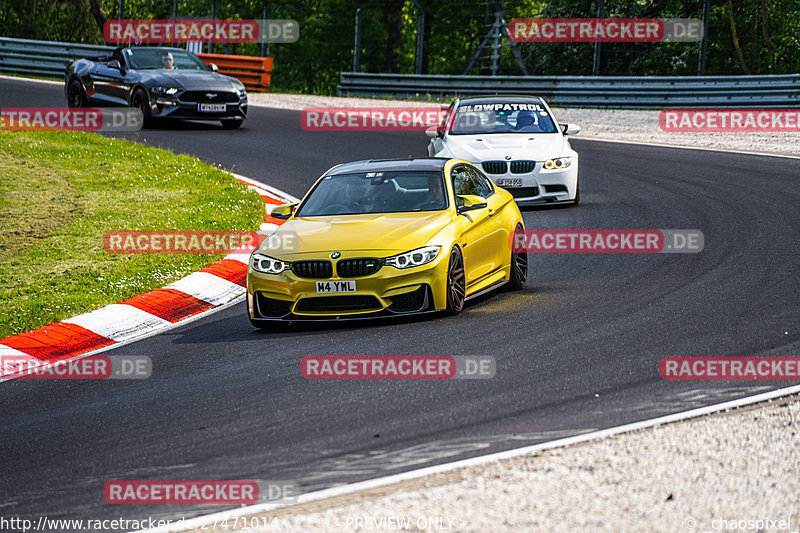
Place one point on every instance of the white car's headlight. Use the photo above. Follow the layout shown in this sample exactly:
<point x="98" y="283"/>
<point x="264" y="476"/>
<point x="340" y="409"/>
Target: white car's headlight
<point x="268" y="265"/>
<point x="414" y="258"/>
<point x="557" y="163"/>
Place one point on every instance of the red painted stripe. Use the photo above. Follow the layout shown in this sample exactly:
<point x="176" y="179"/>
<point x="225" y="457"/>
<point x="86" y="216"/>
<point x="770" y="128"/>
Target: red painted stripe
<point x="57" y="341"/>
<point x="271" y="200"/>
<point x="272" y="220"/>
<point x="169" y="304"/>
<point x="267" y="199"/>
<point x="229" y="269"/>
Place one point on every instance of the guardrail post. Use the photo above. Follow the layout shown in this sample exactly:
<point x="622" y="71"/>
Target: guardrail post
<point x="701" y="62"/>
<point x="357" y="39"/>
<point x="601" y="11"/>
<point x="420" y="36"/>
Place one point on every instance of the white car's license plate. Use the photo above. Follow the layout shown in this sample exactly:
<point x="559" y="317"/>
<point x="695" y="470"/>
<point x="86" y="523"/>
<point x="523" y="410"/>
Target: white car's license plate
<point x="509" y="182"/>
<point x="212" y="108"/>
<point x="336" y="286"/>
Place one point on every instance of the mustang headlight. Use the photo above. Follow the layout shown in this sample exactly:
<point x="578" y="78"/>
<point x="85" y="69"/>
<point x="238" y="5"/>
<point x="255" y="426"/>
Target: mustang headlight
<point x="414" y="258"/>
<point x="165" y="90"/>
<point x="240" y="92"/>
<point x="268" y="265"/>
<point x="557" y="163"/>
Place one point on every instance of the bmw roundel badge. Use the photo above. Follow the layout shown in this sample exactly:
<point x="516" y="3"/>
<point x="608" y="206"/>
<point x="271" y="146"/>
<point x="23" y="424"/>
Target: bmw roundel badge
<point x="335" y="255"/>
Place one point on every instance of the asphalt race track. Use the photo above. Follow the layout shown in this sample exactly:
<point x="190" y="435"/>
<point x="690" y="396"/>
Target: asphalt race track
<point x="577" y="350"/>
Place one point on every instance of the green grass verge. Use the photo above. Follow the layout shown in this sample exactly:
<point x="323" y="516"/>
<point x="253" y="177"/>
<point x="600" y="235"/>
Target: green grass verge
<point x="60" y="192"/>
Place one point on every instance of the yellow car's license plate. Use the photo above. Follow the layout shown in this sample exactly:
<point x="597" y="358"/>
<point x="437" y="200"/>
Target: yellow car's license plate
<point x="336" y="286"/>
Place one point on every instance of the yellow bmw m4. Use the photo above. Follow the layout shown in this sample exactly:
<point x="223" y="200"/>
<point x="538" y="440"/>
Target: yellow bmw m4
<point x="385" y="238"/>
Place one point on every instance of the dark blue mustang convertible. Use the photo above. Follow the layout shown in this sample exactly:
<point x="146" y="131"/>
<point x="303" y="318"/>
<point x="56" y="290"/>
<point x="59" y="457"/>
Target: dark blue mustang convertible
<point x="161" y="82"/>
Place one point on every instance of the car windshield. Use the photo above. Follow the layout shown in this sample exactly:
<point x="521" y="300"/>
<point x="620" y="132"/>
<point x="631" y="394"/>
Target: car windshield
<point x="376" y="192"/>
<point x="162" y="58"/>
<point x="502" y="117"/>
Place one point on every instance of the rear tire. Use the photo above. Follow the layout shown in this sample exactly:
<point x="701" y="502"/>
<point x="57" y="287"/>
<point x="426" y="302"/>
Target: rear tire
<point x="456" y="283"/>
<point x="76" y="96"/>
<point x="140" y="101"/>
<point x="519" y="267"/>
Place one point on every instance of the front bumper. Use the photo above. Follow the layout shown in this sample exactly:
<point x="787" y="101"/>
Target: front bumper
<point x="388" y="292"/>
<point x="174" y="107"/>
<point x="539" y="186"/>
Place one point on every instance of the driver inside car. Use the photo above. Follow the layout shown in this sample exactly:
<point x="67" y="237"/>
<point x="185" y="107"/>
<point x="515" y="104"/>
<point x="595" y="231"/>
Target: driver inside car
<point x="525" y="119"/>
<point x="357" y="194"/>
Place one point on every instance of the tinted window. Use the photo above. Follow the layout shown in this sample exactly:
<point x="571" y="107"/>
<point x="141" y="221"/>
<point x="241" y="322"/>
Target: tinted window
<point x="376" y="192"/>
<point x="482" y="183"/>
<point x="502" y="117"/>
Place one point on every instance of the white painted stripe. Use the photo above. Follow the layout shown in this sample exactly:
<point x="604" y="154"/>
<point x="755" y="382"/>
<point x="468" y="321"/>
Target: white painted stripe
<point x="208" y="287"/>
<point x="11" y="357"/>
<point x="32" y="80"/>
<point x="348" y="490"/>
<point x="9" y="351"/>
<point x="242" y="258"/>
<point x="119" y="322"/>
<point x="267" y="228"/>
<point x="685" y="147"/>
<point x="279" y="194"/>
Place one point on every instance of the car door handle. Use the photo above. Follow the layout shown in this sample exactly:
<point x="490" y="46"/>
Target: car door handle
<point x="491" y="212"/>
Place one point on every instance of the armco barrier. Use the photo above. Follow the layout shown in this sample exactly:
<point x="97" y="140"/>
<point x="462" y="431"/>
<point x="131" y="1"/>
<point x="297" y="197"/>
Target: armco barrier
<point x="254" y="72"/>
<point x="51" y="58"/>
<point x="43" y="57"/>
<point x="588" y="91"/>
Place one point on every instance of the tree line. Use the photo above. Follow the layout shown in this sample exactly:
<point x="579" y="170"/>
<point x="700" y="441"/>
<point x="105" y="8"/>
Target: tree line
<point x="744" y="36"/>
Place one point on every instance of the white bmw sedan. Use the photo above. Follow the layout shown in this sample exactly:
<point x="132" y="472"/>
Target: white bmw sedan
<point x="517" y="143"/>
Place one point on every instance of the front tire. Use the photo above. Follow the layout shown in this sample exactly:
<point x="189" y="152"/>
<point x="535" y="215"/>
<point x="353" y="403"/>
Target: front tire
<point x="76" y="96"/>
<point x="456" y="283"/>
<point x="577" y="192"/>
<point x="519" y="267"/>
<point x="140" y="101"/>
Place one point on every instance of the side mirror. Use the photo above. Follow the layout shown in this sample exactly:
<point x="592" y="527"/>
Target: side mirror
<point x="470" y="202"/>
<point x="283" y="212"/>
<point x="570" y="129"/>
<point x="433" y="132"/>
<point x="114" y="63"/>
<point x="213" y="67"/>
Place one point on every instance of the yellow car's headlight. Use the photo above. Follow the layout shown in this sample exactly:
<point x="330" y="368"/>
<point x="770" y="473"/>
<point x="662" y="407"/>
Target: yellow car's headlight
<point x="557" y="163"/>
<point x="268" y="265"/>
<point x="414" y="258"/>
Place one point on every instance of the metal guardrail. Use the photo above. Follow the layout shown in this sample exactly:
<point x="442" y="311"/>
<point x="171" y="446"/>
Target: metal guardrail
<point x="587" y="91"/>
<point x="43" y="57"/>
<point x="51" y="58"/>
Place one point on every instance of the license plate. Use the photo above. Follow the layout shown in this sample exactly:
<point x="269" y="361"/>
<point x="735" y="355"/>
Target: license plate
<point x="336" y="286"/>
<point x="509" y="182"/>
<point x="212" y="108"/>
